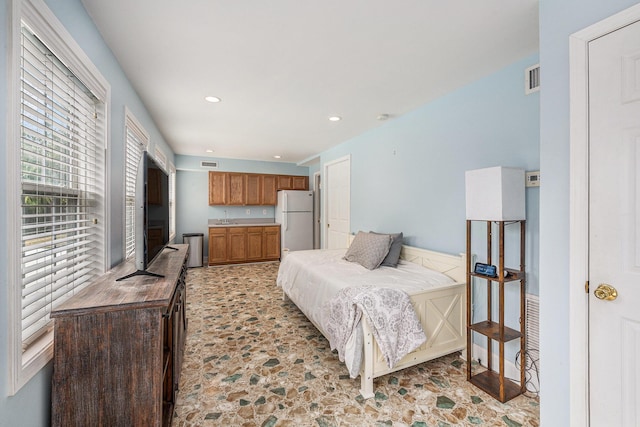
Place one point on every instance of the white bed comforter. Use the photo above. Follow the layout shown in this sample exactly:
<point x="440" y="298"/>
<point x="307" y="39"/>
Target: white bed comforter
<point x="314" y="279"/>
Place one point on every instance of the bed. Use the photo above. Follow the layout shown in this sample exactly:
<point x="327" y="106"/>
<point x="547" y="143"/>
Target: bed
<point x="309" y="278"/>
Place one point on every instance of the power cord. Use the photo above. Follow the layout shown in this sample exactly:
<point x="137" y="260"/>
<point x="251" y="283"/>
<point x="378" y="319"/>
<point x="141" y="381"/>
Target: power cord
<point x="531" y="369"/>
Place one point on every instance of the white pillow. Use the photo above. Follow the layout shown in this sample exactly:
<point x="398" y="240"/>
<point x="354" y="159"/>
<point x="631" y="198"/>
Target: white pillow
<point x="368" y="249"/>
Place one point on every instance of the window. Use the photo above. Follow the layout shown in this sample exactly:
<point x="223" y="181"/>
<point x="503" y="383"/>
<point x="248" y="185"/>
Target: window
<point x="137" y="140"/>
<point x="172" y="201"/>
<point x="58" y="243"/>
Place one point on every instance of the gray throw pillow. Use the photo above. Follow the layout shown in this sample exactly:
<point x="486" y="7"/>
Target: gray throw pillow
<point x="368" y="249"/>
<point x="392" y="258"/>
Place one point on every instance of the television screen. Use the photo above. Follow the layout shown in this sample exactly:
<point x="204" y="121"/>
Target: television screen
<point x="151" y="215"/>
<point x="156" y="213"/>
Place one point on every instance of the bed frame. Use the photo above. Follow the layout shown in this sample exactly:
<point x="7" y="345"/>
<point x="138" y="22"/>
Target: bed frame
<point x="442" y="313"/>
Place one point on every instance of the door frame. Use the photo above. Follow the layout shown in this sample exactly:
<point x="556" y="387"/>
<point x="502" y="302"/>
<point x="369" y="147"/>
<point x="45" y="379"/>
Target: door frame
<point x="579" y="208"/>
<point x="317" y="211"/>
<point x="325" y="195"/>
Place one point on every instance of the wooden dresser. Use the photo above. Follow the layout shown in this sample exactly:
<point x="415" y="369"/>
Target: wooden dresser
<point x="119" y="347"/>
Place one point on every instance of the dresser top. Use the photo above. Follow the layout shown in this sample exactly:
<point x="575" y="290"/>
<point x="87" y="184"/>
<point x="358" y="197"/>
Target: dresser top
<point x="106" y="294"/>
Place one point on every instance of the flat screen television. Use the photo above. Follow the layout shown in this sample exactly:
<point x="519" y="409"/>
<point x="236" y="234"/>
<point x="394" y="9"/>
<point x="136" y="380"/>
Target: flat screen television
<point x="151" y="216"/>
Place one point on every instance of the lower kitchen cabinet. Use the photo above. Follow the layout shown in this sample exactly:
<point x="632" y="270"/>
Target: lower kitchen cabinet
<point x="271" y="242"/>
<point x="217" y="246"/>
<point x="235" y="245"/>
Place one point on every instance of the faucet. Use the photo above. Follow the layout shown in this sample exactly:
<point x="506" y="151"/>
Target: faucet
<point x="226" y="219"/>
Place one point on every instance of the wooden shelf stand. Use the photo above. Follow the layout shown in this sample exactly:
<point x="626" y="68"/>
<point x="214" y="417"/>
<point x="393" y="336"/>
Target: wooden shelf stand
<point x="493" y="381"/>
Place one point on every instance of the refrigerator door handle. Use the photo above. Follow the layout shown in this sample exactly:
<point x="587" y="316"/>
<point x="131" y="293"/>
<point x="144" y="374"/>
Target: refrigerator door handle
<point x="284" y="220"/>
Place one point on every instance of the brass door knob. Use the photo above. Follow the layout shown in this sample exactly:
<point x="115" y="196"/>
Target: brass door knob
<point x="606" y="292"/>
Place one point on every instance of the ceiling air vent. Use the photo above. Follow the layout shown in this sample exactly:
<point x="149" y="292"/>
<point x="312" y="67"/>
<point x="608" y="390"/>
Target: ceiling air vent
<point x="532" y="79"/>
<point x="209" y="165"/>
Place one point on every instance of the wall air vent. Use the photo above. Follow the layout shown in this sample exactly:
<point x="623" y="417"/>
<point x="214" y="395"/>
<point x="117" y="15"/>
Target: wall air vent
<point x="532" y="79"/>
<point x="532" y="367"/>
<point x="532" y="309"/>
<point x="209" y="165"/>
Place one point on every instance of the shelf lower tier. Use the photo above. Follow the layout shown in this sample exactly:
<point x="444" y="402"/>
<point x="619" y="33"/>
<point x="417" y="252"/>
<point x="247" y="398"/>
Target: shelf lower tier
<point x="489" y="381"/>
<point x="492" y="330"/>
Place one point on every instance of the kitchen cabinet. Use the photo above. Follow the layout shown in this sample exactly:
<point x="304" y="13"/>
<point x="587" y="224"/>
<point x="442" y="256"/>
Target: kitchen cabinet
<point x="285" y="182"/>
<point x="237" y="189"/>
<point x="119" y="347"/>
<point x="217" y="188"/>
<point x="235" y="245"/>
<point x="253" y="189"/>
<point x="217" y="245"/>
<point x="293" y="182"/>
<point x="254" y="243"/>
<point x="249" y="189"/>
<point x="300" y="182"/>
<point x="271" y="242"/>
<point x="269" y="189"/>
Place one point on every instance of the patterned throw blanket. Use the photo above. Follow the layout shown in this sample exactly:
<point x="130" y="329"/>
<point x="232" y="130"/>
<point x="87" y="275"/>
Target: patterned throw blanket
<point x="394" y="322"/>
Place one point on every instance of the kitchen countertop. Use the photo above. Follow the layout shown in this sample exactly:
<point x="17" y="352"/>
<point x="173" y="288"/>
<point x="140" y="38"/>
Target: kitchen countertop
<point x="241" y="222"/>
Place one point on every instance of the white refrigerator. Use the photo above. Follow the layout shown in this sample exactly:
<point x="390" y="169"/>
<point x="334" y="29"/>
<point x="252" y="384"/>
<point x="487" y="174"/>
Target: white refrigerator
<point x="294" y="213"/>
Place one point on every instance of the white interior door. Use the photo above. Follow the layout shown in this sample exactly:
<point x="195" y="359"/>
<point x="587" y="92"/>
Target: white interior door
<point x="614" y="227"/>
<point x="337" y="178"/>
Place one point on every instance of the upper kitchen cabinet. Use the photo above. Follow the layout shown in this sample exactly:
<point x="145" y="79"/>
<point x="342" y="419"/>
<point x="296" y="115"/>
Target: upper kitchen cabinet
<point x="217" y="188"/>
<point x="252" y="189"/>
<point x="300" y="182"/>
<point x="240" y="189"/>
<point x="293" y="182"/>
<point x="269" y="189"/>
<point x="237" y="189"/>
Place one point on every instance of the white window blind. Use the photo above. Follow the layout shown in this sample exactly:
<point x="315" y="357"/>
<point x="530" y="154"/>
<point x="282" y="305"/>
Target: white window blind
<point x="172" y="201"/>
<point x="62" y="185"/>
<point x="136" y="142"/>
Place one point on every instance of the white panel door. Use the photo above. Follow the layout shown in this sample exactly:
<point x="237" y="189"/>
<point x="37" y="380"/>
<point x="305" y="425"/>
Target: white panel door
<point x="614" y="227"/>
<point x="338" y="203"/>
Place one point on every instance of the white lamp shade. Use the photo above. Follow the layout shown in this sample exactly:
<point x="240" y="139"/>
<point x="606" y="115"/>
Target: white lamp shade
<point x="495" y="194"/>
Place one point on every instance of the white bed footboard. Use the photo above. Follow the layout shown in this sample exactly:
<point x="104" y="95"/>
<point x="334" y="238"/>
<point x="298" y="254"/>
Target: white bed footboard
<point x="442" y="314"/>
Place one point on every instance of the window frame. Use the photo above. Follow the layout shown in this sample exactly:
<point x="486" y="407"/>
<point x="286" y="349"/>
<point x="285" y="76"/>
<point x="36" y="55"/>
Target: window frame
<point x="131" y="122"/>
<point x="172" y="202"/>
<point x="36" y="14"/>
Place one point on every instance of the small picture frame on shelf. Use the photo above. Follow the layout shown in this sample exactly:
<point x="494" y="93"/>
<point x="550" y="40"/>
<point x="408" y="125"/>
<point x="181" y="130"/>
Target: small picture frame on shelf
<point x="485" y="269"/>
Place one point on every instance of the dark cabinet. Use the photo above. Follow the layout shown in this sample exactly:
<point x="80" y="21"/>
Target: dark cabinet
<point x="119" y="347"/>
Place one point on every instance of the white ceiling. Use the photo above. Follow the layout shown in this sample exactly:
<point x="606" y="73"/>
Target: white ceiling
<point x="282" y="67"/>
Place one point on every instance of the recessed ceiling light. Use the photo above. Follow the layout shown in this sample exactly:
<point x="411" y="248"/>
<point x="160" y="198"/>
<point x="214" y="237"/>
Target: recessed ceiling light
<point x="209" y="151"/>
<point x="277" y="157"/>
<point x="335" y="118"/>
<point x="212" y="99"/>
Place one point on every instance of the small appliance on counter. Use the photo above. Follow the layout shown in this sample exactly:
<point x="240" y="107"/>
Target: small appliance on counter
<point x="294" y="212"/>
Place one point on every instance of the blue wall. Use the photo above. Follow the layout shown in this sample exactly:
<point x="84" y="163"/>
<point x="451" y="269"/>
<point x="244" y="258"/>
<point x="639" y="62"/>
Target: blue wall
<point x="192" y="192"/>
<point x="558" y="20"/>
<point x="408" y="175"/>
<point x="30" y="406"/>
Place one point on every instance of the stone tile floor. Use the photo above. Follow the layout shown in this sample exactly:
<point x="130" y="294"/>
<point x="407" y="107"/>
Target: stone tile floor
<point x="252" y="359"/>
